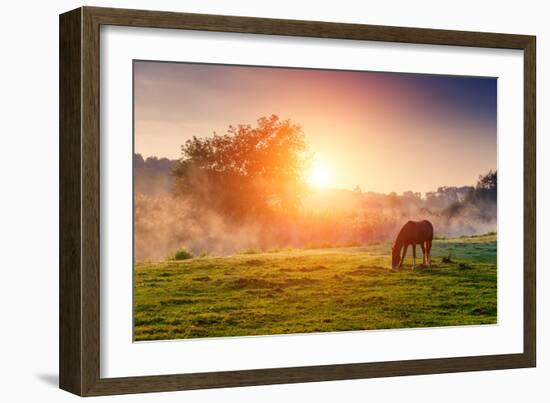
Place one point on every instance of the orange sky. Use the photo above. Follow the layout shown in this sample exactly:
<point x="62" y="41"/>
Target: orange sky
<point x="381" y="131"/>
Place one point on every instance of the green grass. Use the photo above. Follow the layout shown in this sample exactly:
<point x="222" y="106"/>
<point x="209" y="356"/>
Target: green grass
<point x="316" y="290"/>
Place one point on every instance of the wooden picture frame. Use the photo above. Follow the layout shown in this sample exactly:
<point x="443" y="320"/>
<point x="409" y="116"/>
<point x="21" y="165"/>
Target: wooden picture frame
<point x="79" y="346"/>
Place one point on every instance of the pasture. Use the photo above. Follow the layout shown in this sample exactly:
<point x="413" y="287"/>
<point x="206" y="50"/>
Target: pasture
<point x="316" y="290"/>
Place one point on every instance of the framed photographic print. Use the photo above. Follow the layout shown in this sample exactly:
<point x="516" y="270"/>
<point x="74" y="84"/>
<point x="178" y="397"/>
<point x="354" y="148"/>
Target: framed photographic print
<point x="249" y="201"/>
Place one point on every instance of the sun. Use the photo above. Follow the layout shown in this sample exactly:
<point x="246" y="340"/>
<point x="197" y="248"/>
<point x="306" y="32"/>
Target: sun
<point x="320" y="175"/>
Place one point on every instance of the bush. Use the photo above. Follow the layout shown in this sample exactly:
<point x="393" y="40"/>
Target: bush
<point x="447" y="259"/>
<point x="182" y="254"/>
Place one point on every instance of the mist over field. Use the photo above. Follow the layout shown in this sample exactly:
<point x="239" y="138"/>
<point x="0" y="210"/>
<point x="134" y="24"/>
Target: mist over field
<point x="166" y="220"/>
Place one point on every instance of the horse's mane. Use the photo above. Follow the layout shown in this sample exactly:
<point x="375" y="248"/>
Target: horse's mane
<point x="399" y="235"/>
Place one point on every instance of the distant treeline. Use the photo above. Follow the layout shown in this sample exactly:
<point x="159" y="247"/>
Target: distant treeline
<point x="338" y="217"/>
<point x="154" y="176"/>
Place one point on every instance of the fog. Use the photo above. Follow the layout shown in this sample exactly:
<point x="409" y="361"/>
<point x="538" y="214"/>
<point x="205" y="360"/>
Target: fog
<point x="165" y="222"/>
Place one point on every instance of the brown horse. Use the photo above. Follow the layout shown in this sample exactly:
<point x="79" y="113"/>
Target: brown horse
<point x="413" y="233"/>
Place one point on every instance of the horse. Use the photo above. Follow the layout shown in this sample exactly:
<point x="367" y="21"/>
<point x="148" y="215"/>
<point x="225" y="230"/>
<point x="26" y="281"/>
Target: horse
<point x="413" y="233"/>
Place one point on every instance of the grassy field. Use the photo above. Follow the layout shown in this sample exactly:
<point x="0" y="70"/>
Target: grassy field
<point x="316" y="290"/>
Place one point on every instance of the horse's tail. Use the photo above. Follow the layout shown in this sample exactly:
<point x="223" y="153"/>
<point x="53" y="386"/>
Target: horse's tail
<point x="430" y="230"/>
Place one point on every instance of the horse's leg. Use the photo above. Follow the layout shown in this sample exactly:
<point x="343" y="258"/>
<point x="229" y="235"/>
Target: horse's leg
<point x="429" y="249"/>
<point x="403" y="256"/>
<point x="423" y="245"/>
<point x="414" y="255"/>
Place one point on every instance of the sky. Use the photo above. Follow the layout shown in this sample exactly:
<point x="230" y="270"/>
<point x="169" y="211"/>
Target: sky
<point x="383" y="132"/>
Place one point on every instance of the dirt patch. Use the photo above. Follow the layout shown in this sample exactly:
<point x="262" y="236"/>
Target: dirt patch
<point x="244" y="282"/>
<point x="370" y="270"/>
<point x="291" y="282"/>
<point x="256" y="283"/>
<point x="253" y="262"/>
<point x="202" y="278"/>
<point x="176" y="301"/>
<point x="312" y="268"/>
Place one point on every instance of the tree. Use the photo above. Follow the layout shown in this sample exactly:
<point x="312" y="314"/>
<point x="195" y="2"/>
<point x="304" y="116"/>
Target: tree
<point x="248" y="171"/>
<point x="488" y="182"/>
<point x="486" y="188"/>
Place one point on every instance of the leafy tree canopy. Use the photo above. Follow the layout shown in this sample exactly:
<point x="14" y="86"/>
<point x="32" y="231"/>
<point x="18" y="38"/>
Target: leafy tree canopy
<point x="246" y="171"/>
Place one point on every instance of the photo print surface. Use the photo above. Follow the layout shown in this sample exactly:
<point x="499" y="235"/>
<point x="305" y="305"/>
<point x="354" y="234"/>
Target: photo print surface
<point x="272" y="200"/>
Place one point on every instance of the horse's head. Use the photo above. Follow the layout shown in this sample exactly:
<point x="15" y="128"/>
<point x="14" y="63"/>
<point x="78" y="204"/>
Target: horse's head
<point x="394" y="257"/>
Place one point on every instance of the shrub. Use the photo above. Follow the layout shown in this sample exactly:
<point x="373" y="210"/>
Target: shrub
<point x="182" y="254"/>
<point x="447" y="259"/>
